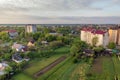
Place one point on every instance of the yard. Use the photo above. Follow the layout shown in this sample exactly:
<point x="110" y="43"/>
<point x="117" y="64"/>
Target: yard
<point x="22" y="76"/>
<point x="104" y="68"/>
<point x="37" y="65"/>
<point x="67" y="70"/>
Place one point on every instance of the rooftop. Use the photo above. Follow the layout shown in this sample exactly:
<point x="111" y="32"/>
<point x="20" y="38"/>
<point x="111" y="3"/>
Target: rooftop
<point x="94" y="31"/>
<point x="11" y="31"/>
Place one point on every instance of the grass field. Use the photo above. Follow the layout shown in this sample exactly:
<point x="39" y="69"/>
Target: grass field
<point x="37" y="65"/>
<point x="117" y="66"/>
<point x="104" y="68"/>
<point x="79" y="73"/>
<point x="22" y="76"/>
<point x="67" y="70"/>
<point x="107" y="69"/>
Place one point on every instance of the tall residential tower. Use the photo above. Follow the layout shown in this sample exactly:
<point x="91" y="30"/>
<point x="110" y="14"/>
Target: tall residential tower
<point x="31" y="28"/>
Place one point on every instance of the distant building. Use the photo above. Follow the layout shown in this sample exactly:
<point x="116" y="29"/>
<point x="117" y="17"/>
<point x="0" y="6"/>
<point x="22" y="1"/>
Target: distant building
<point x="31" y="28"/>
<point x="12" y="33"/>
<point x="87" y="34"/>
<point x="55" y="34"/>
<point x="114" y="36"/>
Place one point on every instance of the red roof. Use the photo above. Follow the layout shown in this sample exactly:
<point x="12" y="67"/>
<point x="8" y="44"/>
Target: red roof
<point x="87" y="29"/>
<point x="98" y="32"/>
<point x="11" y="31"/>
<point x="94" y="31"/>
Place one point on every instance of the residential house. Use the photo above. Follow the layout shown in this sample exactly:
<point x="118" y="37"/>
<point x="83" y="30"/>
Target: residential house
<point x="44" y="42"/>
<point x="31" y="43"/>
<point x="17" y="58"/>
<point x="12" y="33"/>
<point x="19" y="47"/>
<point x="26" y="58"/>
<point x="87" y="35"/>
<point x="55" y="34"/>
<point x="3" y="66"/>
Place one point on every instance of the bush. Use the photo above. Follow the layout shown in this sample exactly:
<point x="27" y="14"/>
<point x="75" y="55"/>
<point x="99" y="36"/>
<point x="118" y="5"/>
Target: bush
<point x="89" y="74"/>
<point x="111" y="45"/>
<point x="56" y="44"/>
<point x="75" y="60"/>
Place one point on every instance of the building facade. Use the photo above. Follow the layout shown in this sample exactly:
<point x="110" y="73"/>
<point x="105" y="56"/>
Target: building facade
<point x="114" y="36"/>
<point x="31" y="28"/>
<point x="87" y="35"/>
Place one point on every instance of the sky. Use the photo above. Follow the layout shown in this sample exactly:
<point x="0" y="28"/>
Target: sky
<point x="59" y="11"/>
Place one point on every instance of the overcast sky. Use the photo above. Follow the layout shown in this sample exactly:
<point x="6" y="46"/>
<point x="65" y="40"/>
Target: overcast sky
<point x="59" y="11"/>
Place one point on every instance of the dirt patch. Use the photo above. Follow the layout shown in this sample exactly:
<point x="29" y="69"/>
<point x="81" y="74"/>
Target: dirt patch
<point x="50" y="66"/>
<point x="97" y="66"/>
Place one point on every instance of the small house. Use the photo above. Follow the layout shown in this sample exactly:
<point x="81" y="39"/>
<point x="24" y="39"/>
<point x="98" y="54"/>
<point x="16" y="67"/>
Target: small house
<point x="17" y="58"/>
<point x="3" y="66"/>
<point x="19" y="47"/>
<point x="31" y="43"/>
<point x="12" y="33"/>
<point x="44" y="43"/>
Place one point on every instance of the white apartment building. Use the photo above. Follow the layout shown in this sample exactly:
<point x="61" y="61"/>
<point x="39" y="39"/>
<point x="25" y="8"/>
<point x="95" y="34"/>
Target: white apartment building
<point x="31" y="28"/>
<point x="87" y="34"/>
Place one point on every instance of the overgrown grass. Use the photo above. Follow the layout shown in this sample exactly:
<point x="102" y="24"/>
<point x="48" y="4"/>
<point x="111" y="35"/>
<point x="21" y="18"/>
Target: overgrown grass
<point x="108" y="70"/>
<point x="60" y="73"/>
<point x="79" y="73"/>
<point x="22" y="76"/>
<point x="117" y="66"/>
<point x="37" y="64"/>
<point x="52" y="71"/>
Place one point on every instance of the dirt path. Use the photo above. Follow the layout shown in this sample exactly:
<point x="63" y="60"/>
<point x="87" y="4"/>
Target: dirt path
<point x="97" y="66"/>
<point x="50" y="66"/>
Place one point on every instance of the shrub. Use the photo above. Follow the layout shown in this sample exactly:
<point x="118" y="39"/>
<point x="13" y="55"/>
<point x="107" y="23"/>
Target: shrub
<point x="75" y="60"/>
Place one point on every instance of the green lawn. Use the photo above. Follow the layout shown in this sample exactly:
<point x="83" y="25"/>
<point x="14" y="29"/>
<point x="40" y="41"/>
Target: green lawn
<point x="60" y="73"/>
<point x="116" y="62"/>
<point x="22" y="76"/>
<point x="36" y="65"/>
<point x="79" y="73"/>
<point x="67" y="70"/>
<point x="108" y="70"/>
<point x="53" y="70"/>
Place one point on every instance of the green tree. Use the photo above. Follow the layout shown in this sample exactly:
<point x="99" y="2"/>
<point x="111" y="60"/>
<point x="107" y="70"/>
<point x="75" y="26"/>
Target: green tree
<point x="56" y="44"/>
<point x="111" y="45"/>
<point x="81" y="45"/>
<point x="50" y="38"/>
<point x="74" y="49"/>
<point x="95" y="41"/>
<point x="4" y="36"/>
<point x="98" y="49"/>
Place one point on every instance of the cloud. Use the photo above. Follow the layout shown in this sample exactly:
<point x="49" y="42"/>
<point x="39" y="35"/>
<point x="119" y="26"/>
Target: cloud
<point x="52" y="10"/>
<point x="46" y="5"/>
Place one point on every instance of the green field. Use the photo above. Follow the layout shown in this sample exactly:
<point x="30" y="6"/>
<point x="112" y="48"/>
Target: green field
<point x="110" y="66"/>
<point x="22" y="76"/>
<point x="36" y="65"/>
<point x="116" y="62"/>
<point x="104" y="68"/>
<point x="67" y="70"/>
